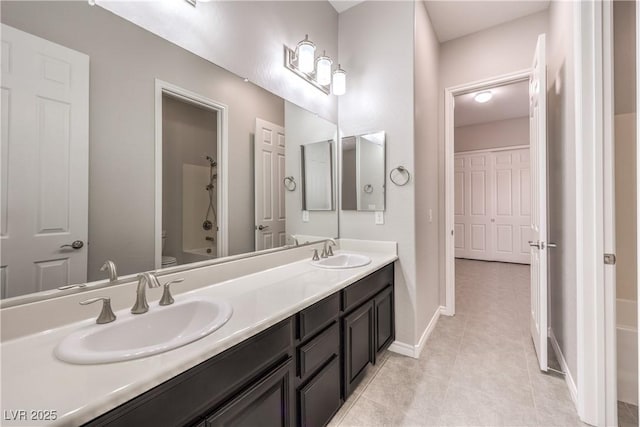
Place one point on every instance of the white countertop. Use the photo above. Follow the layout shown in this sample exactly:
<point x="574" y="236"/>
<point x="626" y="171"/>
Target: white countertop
<point x="34" y="379"/>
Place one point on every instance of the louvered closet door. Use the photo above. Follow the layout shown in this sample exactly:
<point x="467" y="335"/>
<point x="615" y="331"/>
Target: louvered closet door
<point x="492" y="205"/>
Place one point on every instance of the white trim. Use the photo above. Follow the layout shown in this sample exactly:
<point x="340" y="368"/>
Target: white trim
<point x="589" y="136"/>
<point x="493" y="150"/>
<point x="162" y="87"/>
<point x="449" y="99"/>
<point x="415" y="350"/>
<point x="638" y="163"/>
<point x="571" y="384"/>
<point x="609" y="227"/>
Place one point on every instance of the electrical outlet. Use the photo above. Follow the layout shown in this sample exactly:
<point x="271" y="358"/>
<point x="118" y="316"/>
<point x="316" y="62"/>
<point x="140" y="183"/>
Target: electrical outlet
<point x="305" y="216"/>
<point x="379" y="215"/>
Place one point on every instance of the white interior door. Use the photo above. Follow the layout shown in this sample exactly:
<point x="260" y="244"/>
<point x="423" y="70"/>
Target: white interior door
<point x="538" y="143"/>
<point x="45" y="142"/>
<point x="511" y="211"/>
<point x="472" y="184"/>
<point x="269" y="189"/>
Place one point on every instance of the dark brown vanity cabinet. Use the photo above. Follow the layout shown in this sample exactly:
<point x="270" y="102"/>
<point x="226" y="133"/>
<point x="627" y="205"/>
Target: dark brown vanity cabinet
<point x="367" y="325"/>
<point x="297" y="372"/>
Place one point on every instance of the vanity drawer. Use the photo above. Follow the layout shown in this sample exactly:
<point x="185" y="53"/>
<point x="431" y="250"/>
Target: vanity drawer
<point x="317" y="351"/>
<point x="366" y="288"/>
<point x="319" y="315"/>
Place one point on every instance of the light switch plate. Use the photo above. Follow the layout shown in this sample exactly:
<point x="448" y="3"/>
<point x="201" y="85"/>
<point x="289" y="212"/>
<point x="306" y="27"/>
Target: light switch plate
<point x="379" y="217"/>
<point x="305" y="216"/>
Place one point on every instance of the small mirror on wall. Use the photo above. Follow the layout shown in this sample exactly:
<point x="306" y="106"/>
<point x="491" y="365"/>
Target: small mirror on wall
<point x="317" y="182"/>
<point x="363" y="172"/>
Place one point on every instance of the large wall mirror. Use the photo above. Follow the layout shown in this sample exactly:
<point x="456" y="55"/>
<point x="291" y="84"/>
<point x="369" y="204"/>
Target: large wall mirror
<point x="363" y="172"/>
<point x="119" y="145"/>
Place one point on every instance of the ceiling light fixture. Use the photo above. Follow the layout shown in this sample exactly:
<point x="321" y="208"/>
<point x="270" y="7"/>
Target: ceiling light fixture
<point x="316" y="71"/>
<point x="483" y="97"/>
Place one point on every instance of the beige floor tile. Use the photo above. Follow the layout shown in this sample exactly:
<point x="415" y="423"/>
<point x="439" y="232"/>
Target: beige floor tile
<point x="367" y="413"/>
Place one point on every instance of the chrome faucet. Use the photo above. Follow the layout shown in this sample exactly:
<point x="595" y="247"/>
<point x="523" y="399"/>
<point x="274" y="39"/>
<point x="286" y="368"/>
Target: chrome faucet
<point x="327" y="251"/>
<point x="144" y="280"/>
<point x="295" y="240"/>
<point x="110" y="267"/>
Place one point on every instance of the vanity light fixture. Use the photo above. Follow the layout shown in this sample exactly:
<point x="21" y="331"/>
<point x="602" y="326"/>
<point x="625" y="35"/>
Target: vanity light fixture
<point x="316" y="71"/>
<point x="323" y="69"/>
<point x="483" y="97"/>
<point x="339" y="81"/>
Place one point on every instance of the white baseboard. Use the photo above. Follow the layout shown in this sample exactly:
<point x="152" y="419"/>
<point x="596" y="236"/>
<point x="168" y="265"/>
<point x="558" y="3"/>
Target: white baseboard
<point x="571" y="384"/>
<point x="415" y="350"/>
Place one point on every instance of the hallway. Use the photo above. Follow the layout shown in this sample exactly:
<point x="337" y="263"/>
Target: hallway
<point x="478" y="368"/>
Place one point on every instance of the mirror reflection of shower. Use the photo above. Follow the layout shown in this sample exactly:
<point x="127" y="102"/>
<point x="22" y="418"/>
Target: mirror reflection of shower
<point x="189" y="182"/>
<point x="209" y="225"/>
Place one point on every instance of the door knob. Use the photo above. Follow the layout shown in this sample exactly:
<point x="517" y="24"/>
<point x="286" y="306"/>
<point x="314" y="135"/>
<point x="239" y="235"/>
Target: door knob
<point x="262" y="227"/>
<point x="77" y="244"/>
<point x="538" y="244"/>
<point x="552" y="245"/>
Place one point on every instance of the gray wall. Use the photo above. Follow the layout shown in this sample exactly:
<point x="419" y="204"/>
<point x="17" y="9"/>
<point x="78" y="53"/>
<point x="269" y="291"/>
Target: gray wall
<point x="427" y="50"/>
<point x="498" y="134"/>
<point x="561" y="145"/>
<point x="125" y="61"/>
<point x="376" y="39"/>
<point x="626" y="121"/>
<point x="246" y="38"/>
<point x="189" y="134"/>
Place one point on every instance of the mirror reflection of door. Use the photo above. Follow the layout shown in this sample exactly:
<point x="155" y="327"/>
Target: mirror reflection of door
<point x="189" y="182"/>
<point x="363" y="172"/>
<point x="44" y="196"/>
<point x="269" y="167"/>
<point x="317" y="183"/>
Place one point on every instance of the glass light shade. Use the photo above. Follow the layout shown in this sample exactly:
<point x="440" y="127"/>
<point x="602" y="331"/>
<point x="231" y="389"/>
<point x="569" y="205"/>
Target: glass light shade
<point x="323" y="70"/>
<point x="306" y="55"/>
<point x="339" y="81"/>
<point x="483" y="97"/>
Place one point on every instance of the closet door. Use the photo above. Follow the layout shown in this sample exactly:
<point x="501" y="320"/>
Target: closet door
<point x="473" y="204"/>
<point x="511" y="210"/>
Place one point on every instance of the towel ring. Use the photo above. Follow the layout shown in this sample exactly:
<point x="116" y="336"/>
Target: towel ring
<point x="368" y="188"/>
<point x="289" y="183"/>
<point x="401" y="170"/>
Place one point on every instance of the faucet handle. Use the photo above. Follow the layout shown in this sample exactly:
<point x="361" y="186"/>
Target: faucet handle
<point x="167" y="299"/>
<point x="110" y="267"/>
<point x="315" y="255"/>
<point x="106" y="314"/>
<point x="330" y="251"/>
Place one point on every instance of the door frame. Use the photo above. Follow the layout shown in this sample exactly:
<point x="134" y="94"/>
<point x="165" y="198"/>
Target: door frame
<point x="449" y="100"/>
<point x="222" y="110"/>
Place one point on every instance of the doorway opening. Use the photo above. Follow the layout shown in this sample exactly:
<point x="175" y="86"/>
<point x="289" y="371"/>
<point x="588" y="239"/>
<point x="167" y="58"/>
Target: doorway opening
<point x="191" y="208"/>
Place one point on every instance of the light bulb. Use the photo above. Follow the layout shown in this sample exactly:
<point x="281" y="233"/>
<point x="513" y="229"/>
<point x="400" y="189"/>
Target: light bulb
<point x="339" y="81"/>
<point x="306" y="55"/>
<point x="483" y="97"/>
<point x="323" y="70"/>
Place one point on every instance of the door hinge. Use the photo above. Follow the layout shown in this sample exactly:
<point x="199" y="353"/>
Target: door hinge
<point x="610" y="259"/>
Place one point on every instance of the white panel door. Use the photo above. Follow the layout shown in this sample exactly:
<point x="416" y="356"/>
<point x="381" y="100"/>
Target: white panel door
<point x="45" y="141"/>
<point x="511" y="210"/>
<point x="473" y="204"/>
<point x="538" y="143"/>
<point x="492" y="205"/>
<point x="269" y="170"/>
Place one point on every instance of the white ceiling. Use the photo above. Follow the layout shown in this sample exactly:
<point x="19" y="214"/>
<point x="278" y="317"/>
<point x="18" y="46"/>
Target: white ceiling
<point x="452" y="19"/>
<point x="342" y="5"/>
<point x="508" y="102"/>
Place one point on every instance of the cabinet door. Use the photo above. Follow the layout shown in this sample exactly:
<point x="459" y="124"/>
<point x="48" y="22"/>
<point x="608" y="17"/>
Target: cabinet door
<point x="320" y="398"/>
<point x="265" y="404"/>
<point x="384" y="331"/>
<point x="359" y="347"/>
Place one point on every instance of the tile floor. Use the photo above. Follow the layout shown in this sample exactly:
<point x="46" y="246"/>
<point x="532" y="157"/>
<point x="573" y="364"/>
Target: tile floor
<point x="478" y="368"/>
<point x="627" y="415"/>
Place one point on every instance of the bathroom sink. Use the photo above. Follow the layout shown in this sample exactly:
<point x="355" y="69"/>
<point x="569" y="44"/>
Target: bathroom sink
<point x="132" y="336"/>
<point x="343" y="261"/>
